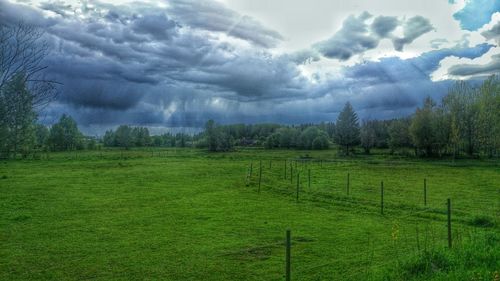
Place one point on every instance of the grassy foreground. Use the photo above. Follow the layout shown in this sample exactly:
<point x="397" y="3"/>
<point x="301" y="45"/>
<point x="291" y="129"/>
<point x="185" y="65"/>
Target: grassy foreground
<point x="190" y="215"/>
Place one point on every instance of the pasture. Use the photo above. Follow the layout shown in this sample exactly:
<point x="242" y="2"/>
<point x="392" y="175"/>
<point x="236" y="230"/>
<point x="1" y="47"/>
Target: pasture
<point x="186" y="214"/>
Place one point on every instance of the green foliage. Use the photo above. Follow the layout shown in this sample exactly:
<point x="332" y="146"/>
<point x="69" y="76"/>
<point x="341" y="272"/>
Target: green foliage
<point x="421" y="129"/>
<point x="42" y="136"/>
<point x="17" y="117"/>
<point x="368" y="136"/>
<point x="347" y="128"/>
<point x="476" y="258"/>
<point x="127" y="136"/>
<point x="64" y="135"/>
<point x="399" y="135"/>
<point x="216" y="138"/>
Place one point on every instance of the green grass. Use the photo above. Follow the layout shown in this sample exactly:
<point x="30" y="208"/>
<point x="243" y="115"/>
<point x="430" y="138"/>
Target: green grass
<point x="182" y="214"/>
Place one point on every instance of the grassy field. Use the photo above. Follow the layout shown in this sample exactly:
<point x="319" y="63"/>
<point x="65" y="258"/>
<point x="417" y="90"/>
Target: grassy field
<point x="183" y="214"/>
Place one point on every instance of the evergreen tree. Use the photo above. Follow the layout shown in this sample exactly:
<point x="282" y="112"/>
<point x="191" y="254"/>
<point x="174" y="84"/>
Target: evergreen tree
<point x="347" y="128"/>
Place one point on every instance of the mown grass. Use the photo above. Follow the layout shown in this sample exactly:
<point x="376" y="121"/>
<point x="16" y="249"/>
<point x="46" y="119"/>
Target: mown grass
<point x="185" y="214"/>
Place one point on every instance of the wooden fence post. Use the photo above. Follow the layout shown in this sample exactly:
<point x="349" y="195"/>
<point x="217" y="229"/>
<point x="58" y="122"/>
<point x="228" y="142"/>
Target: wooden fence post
<point x="260" y="176"/>
<point x="309" y="178"/>
<point x="382" y="197"/>
<point x="288" y="244"/>
<point x="285" y="169"/>
<point x="348" y="182"/>
<point x="449" y="223"/>
<point x="298" y="186"/>
<point x="425" y="192"/>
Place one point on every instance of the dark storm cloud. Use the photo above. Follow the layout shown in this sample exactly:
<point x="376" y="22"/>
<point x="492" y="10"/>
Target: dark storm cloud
<point x="394" y="83"/>
<point x="413" y="28"/>
<point x="357" y="35"/>
<point x="157" y="26"/>
<point x="383" y="26"/>
<point x="147" y="65"/>
<point x="466" y="70"/>
<point x="214" y="16"/>
<point x="353" y="38"/>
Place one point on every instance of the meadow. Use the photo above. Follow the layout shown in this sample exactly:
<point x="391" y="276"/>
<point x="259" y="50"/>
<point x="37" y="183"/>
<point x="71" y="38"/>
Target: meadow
<point x="187" y="214"/>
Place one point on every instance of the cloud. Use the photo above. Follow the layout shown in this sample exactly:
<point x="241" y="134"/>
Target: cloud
<point x="157" y="26"/>
<point x="475" y="70"/>
<point x="180" y="64"/>
<point x="493" y="33"/>
<point x="358" y="35"/>
<point x="353" y="38"/>
<point x="476" y="13"/>
<point x="214" y="16"/>
<point x="383" y="26"/>
<point x="413" y="28"/>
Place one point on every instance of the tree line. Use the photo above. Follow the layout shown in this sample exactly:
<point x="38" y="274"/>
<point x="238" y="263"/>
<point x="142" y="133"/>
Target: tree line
<point x="466" y="121"/>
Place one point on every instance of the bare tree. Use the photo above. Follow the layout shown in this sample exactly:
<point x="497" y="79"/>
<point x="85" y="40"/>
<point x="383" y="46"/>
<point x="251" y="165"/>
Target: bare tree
<point x="24" y="87"/>
<point x="22" y="51"/>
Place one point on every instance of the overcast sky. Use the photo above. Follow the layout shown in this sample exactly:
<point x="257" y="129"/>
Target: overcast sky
<point x="177" y="63"/>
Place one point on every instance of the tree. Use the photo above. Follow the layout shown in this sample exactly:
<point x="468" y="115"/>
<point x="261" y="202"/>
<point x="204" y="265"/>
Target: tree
<point x="321" y="142"/>
<point x="109" y="138"/>
<point x="421" y="129"/>
<point x="461" y="104"/>
<point x="23" y="51"/>
<point x="42" y="136"/>
<point x="399" y="135"/>
<point x="489" y="115"/>
<point x="17" y="116"/>
<point x="211" y="134"/>
<point x="347" y="128"/>
<point x="124" y="136"/>
<point x="367" y="136"/>
<point x="64" y="135"/>
<point x="216" y="138"/>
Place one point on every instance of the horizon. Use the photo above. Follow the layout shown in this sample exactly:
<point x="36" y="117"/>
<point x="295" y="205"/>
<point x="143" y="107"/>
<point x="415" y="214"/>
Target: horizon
<point x="178" y="63"/>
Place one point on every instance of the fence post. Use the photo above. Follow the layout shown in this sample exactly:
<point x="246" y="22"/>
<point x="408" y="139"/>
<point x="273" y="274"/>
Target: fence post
<point x="298" y="184"/>
<point x="309" y="178"/>
<point x="291" y="173"/>
<point x="425" y="192"/>
<point x="288" y="245"/>
<point x="449" y="223"/>
<point x="382" y="197"/>
<point x="251" y="168"/>
<point x="260" y="176"/>
<point x="348" y="179"/>
<point x="270" y="164"/>
<point x="285" y="169"/>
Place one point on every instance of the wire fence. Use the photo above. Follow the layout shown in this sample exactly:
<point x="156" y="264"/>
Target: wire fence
<point x="417" y="225"/>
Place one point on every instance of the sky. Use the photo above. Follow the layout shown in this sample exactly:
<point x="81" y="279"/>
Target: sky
<point x="172" y="65"/>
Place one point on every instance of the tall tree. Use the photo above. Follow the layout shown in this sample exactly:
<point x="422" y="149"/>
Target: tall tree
<point x="367" y="136"/>
<point x="399" y="135"/>
<point x="347" y="128"/>
<point x="421" y="129"/>
<point x="212" y="135"/>
<point x="461" y="104"/>
<point x="23" y="51"/>
<point x="18" y="117"/>
<point x="64" y="135"/>
<point x="124" y="136"/>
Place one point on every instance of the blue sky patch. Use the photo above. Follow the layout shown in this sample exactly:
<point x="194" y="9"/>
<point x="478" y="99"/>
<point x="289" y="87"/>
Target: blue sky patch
<point x="477" y="13"/>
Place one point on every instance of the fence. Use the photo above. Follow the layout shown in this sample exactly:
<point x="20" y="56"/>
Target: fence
<point x="282" y="178"/>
